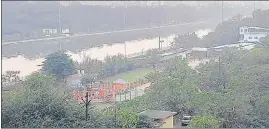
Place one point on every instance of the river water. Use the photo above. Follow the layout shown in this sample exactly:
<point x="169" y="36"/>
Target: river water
<point x="26" y="66"/>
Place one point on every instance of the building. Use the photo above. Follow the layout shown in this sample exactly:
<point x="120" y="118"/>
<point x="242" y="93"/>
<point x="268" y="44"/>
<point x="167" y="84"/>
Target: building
<point x="197" y="53"/>
<point x="66" y="32"/>
<point x="252" y="34"/>
<point x="75" y="79"/>
<point x="162" y="119"/>
<point x="119" y="85"/>
<point x="214" y="52"/>
<point x="50" y="31"/>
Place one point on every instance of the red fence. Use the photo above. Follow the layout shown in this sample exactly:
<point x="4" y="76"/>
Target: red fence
<point x="104" y="92"/>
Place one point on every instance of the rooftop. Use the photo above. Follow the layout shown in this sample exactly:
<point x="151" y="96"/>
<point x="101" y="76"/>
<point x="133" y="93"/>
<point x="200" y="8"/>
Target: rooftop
<point x="120" y="81"/>
<point x="199" y="49"/>
<point x="236" y="45"/>
<point x="156" y="114"/>
<point x="255" y="27"/>
<point x="74" y="77"/>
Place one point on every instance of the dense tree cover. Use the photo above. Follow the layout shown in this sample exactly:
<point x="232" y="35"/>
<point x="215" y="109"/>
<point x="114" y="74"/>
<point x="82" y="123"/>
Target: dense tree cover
<point x="99" y="18"/>
<point x="226" y="32"/>
<point x="204" y="122"/>
<point x="58" y="64"/>
<point x="97" y="70"/>
<point x="10" y="77"/>
<point x="230" y="93"/>
<point x="111" y="65"/>
<point x="186" y="41"/>
<point x="42" y="101"/>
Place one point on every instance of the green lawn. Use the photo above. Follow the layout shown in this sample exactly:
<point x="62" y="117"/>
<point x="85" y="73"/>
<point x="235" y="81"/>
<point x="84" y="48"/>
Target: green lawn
<point x="131" y="76"/>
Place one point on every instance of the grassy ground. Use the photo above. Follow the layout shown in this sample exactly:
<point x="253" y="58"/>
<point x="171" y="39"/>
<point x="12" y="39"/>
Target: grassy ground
<point x="131" y="76"/>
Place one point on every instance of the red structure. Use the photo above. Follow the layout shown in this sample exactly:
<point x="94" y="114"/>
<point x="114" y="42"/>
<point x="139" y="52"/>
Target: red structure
<point x="104" y="92"/>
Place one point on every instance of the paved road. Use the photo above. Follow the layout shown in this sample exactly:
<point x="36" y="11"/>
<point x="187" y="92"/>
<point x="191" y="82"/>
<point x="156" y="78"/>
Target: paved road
<point x="101" y="33"/>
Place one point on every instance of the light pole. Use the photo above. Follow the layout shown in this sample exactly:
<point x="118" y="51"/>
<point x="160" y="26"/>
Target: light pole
<point x="254" y="2"/>
<point x="221" y="11"/>
<point x="124" y="23"/>
<point x="59" y="16"/>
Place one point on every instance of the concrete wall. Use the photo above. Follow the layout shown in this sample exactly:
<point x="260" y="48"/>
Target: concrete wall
<point x="169" y="123"/>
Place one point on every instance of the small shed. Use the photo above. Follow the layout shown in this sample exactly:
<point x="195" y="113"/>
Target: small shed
<point x="163" y="119"/>
<point x="199" y="53"/>
<point x="119" y="84"/>
<point x="74" y="80"/>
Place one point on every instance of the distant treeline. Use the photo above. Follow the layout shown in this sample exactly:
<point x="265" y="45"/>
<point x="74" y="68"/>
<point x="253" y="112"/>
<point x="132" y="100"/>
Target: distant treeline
<point x="28" y="19"/>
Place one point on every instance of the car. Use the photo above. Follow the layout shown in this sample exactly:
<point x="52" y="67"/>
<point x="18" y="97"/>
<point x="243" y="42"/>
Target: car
<point x="185" y="120"/>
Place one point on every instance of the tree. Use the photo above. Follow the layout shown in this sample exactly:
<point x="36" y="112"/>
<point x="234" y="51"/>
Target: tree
<point x="58" y="64"/>
<point x="204" y="122"/>
<point x="128" y="119"/>
<point x="116" y="64"/>
<point x="186" y="41"/>
<point x="10" y="78"/>
<point x="35" y="104"/>
<point x="145" y="122"/>
<point x="42" y="102"/>
<point x="265" y="41"/>
<point x="152" y="57"/>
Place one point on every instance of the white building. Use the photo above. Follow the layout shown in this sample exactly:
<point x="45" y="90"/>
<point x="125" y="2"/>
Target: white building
<point x="65" y="31"/>
<point x="252" y="34"/>
<point x="50" y="31"/>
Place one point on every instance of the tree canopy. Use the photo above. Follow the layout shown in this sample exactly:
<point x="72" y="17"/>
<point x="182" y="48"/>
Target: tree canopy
<point x="58" y="64"/>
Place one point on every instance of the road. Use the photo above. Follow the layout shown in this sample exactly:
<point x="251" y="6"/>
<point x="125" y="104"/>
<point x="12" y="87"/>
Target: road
<point x="101" y="33"/>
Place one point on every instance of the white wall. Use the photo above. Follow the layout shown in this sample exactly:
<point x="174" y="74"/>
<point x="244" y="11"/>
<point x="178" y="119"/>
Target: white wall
<point x="252" y="36"/>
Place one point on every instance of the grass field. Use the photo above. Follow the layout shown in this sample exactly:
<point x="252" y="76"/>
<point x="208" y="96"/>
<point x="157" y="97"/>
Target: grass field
<point x="131" y="76"/>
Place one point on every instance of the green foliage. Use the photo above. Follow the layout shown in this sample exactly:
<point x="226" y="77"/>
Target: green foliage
<point x="58" y="64"/>
<point x="242" y="103"/>
<point x="115" y="64"/>
<point x="227" y="32"/>
<point x="265" y="41"/>
<point x="186" y="41"/>
<point x="93" y="69"/>
<point x="153" y="76"/>
<point x="10" y="80"/>
<point x="42" y="102"/>
<point x="131" y="76"/>
<point x="152" y="57"/>
<point x="128" y="118"/>
<point x="204" y="122"/>
<point x="145" y="122"/>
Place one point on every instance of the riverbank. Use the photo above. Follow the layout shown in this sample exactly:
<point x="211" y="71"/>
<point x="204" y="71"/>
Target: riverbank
<point x="77" y="44"/>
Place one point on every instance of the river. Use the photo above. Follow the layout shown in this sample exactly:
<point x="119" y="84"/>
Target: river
<point x="28" y="65"/>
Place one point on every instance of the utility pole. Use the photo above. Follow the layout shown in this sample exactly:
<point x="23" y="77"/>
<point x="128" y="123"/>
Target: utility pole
<point x="87" y="103"/>
<point x="59" y="16"/>
<point x="221" y="11"/>
<point x="159" y="27"/>
<point x="254" y="2"/>
<point x="115" y="107"/>
<point x="60" y="46"/>
<point x="124" y="23"/>
<point x="219" y="72"/>
<point x="159" y="43"/>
